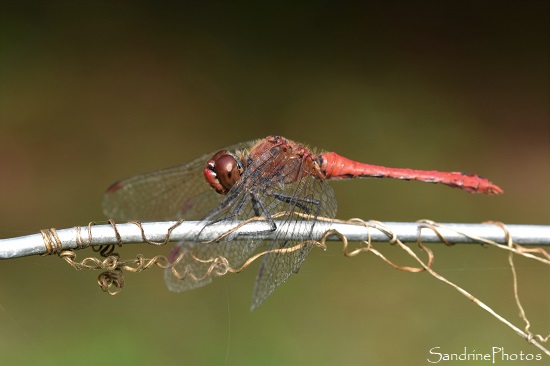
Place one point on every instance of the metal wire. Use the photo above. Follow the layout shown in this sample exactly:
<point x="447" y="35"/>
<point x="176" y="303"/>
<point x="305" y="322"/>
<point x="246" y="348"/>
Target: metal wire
<point x="53" y="241"/>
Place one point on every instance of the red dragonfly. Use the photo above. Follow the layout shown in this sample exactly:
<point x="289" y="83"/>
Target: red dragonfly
<point x="254" y="179"/>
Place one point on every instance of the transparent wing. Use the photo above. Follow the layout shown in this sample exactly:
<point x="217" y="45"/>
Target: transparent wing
<point x="198" y="262"/>
<point x="275" y="185"/>
<point x="168" y="194"/>
<point x="278" y="266"/>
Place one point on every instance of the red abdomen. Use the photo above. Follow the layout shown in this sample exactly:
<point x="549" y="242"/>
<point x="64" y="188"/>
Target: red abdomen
<point x="334" y="166"/>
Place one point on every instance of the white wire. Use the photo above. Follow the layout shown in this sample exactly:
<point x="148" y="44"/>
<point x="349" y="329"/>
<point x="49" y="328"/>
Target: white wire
<point x="130" y="233"/>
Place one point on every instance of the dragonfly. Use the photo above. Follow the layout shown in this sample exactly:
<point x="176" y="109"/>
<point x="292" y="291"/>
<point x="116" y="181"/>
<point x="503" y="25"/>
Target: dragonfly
<point x="265" y="178"/>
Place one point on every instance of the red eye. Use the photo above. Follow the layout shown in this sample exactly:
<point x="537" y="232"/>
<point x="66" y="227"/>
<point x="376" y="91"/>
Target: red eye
<point x="222" y="171"/>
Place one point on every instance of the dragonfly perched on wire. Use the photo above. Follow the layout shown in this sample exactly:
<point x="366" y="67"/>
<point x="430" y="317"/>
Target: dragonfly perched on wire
<point x="267" y="178"/>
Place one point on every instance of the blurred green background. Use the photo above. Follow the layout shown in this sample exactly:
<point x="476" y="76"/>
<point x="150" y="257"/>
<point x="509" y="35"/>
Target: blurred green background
<point x="92" y="92"/>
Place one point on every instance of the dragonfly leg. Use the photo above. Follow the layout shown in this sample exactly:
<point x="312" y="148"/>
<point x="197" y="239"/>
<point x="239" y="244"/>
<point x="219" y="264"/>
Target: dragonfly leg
<point x="220" y="207"/>
<point x="299" y="202"/>
<point x="257" y="204"/>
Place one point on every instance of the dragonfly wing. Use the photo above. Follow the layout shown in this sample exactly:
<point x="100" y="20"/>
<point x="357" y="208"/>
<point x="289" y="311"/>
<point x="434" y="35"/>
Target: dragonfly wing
<point x="247" y="199"/>
<point x="278" y="265"/>
<point x="197" y="263"/>
<point x="180" y="192"/>
<point x="276" y="185"/>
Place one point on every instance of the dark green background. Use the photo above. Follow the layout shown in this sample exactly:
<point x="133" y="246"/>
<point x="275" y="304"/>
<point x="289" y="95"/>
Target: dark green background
<point x="92" y="92"/>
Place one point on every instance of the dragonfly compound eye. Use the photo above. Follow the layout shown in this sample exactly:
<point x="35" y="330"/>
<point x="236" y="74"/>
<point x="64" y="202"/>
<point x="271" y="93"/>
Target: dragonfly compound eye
<point x="222" y="171"/>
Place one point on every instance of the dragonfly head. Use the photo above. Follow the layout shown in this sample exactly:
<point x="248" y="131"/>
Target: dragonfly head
<point x="223" y="171"/>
